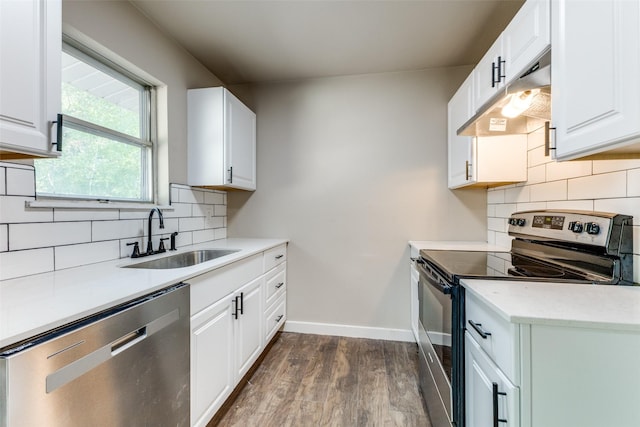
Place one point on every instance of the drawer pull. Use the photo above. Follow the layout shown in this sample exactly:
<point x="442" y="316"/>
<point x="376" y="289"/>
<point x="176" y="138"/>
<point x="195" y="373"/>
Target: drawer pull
<point x="497" y="420"/>
<point x="279" y="256"/>
<point x="478" y="327"/>
<point x="279" y="285"/>
<point x="279" y="318"/>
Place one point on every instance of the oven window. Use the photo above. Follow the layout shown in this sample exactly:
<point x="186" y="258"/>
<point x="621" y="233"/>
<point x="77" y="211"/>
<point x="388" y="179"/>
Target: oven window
<point x="435" y="319"/>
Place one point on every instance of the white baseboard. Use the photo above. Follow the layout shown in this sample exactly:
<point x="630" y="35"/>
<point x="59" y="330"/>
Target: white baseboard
<point x="349" y="331"/>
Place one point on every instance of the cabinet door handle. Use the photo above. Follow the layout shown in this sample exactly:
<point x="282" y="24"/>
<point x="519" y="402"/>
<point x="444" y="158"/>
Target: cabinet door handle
<point x="230" y="174"/>
<point x="494" y="69"/>
<point x="547" y="139"/>
<point x="478" y="327"/>
<point x="279" y="256"/>
<point x="467" y="175"/>
<point x="241" y="302"/>
<point x="496" y="393"/>
<point x="279" y="318"/>
<point x="501" y="69"/>
<point x="234" y="302"/>
<point x="279" y="285"/>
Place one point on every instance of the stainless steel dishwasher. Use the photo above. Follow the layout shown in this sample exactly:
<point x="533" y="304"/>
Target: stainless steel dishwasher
<point x="126" y="366"/>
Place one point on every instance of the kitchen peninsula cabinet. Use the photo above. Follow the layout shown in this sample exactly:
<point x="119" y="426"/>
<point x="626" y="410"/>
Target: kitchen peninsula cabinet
<point x="570" y="363"/>
<point x="30" y="76"/>
<point x="221" y="140"/>
<point x="596" y="90"/>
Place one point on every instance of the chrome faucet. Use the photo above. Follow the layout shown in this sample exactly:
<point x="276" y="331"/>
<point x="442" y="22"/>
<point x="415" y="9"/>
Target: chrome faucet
<point x="149" y="243"/>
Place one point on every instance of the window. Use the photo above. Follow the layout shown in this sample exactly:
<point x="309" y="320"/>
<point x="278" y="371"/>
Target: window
<point x="107" y="150"/>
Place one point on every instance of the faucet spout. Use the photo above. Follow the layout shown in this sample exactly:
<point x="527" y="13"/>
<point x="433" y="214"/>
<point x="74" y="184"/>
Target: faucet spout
<point x="161" y="219"/>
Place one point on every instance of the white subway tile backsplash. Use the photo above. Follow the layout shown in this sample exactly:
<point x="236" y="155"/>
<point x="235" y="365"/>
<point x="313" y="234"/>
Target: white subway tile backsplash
<point x="604" y="166"/>
<point x="537" y="174"/>
<point x="61" y="214"/>
<point x="190" y="224"/>
<point x="12" y="210"/>
<point x="633" y="183"/>
<point x="220" y="210"/>
<point x="531" y="206"/>
<point x="200" y="236"/>
<point x="214" y="198"/>
<point x="24" y="263"/>
<point x="504" y="211"/>
<point x="495" y="196"/>
<point x="491" y="210"/>
<point x="627" y="206"/>
<point x="636" y="238"/>
<point x="20" y="182"/>
<point x="214" y="222"/>
<point x="89" y="253"/>
<point x="4" y="237"/>
<point x="516" y="195"/>
<point x="44" y="239"/>
<point x="503" y="239"/>
<point x="38" y="235"/>
<point x="554" y="190"/>
<point x="3" y="184"/>
<point x="537" y="157"/>
<point x="580" y="205"/>
<point x="608" y="185"/>
<point x="178" y="210"/>
<point x="564" y="170"/>
<point x="112" y="230"/>
<point x="497" y="224"/>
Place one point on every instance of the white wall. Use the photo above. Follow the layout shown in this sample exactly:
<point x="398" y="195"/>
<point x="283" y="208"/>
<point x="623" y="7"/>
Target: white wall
<point x="350" y="169"/>
<point x="598" y="185"/>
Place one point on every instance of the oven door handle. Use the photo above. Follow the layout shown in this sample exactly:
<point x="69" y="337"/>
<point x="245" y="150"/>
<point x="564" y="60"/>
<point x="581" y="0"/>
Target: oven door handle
<point x="432" y="279"/>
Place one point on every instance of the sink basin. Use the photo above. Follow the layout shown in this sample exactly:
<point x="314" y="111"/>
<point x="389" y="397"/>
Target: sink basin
<point x="185" y="259"/>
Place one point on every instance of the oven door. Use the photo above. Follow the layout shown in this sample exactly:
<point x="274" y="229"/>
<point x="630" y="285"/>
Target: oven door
<point x="435" y="342"/>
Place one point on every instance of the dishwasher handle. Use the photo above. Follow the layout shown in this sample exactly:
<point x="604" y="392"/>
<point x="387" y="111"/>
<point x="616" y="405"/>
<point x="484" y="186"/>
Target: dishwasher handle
<point x="81" y="366"/>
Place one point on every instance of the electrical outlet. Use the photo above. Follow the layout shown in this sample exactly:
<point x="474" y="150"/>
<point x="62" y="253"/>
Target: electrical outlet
<point x="208" y="219"/>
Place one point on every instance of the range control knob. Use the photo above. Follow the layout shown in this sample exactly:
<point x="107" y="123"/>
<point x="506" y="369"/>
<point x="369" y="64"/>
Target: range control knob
<point x="575" y="226"/>
<point x="592" y="228"/>
<point x="520" y="222"/>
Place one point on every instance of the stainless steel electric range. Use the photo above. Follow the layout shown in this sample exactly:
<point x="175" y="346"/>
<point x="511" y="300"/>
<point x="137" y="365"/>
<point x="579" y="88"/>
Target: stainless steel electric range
<point x="593" y="248"/>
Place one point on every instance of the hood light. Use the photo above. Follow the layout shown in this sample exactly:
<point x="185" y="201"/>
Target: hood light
<point x="519" y="103"/>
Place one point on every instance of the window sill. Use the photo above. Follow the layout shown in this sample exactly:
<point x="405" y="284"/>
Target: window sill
<point x="90" y="204"/>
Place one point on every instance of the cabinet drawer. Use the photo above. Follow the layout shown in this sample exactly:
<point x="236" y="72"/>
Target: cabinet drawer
<point x="209" y="287"/>
<point x="496" y="336"/>
<point x="275" y="318"/>
<point x="274" y="256"/>
<point x="276" y="282"/>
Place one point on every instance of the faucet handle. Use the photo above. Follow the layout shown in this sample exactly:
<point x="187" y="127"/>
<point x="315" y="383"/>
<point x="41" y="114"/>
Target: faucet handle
<point x="136" y="249"/>
<point x="161" y="247"/>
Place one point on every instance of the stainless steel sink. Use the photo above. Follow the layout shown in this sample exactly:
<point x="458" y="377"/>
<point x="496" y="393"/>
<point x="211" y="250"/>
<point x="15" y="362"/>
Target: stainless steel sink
<point x="185" y="259"/>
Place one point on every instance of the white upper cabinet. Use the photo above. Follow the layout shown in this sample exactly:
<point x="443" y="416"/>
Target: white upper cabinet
<point x="30" y="55"/>
<point x="221" y="140"/>
<point x="526" y="37"/>
<point x="481" y="161"/>
<point x="595" y="69"/>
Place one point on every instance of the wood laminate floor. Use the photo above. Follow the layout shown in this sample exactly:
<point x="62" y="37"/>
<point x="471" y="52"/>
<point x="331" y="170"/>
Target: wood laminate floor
<point x="318" y="380"/>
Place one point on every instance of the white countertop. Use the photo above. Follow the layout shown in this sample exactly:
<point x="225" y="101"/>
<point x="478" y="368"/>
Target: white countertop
<point x="592" y="306"/>
<point x="34" y="304"/>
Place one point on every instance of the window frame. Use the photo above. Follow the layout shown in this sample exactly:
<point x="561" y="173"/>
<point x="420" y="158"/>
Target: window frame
<point x="148" y="132"/>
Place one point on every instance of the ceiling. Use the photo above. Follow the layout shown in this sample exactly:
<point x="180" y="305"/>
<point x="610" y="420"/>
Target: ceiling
<point x="268" y="40"/>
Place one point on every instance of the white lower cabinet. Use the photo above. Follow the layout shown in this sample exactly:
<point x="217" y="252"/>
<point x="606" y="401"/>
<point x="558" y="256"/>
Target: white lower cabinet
<point x="212" y="365"/>
<point x="549" y="374"/>
<point x="489" y="395"/>
<point x="235" y="311"/>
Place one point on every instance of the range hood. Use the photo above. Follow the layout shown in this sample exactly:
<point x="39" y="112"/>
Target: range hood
<point x="530" y="93"/>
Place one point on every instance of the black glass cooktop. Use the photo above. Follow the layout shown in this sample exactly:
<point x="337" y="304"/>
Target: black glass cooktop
<point x="469" y="263"/>
<point x="479" y="264"/>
